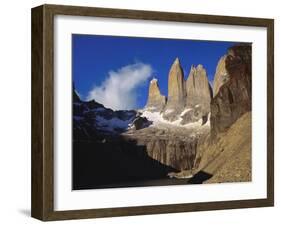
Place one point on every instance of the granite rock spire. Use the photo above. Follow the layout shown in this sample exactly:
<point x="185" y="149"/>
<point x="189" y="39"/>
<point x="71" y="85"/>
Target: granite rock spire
<point x="156" y="101"/>
<point x="198" y="89"/>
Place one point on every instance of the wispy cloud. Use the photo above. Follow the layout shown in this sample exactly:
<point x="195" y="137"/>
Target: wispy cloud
<point x="118" y="91"/>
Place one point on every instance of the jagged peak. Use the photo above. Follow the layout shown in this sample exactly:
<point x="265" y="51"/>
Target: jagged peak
<point x="223" y="57"/>
<point x="156" y="101"/>
<point x="200" y="66"/>
<point x="176" y="62"/>
<point x="76" y="97"/>
<point x="176" y="70"/>
<point x="154" y="87"/>
<point x="192" y="69"/>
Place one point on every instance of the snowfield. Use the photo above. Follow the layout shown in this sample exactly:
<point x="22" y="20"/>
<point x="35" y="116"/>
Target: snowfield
<point x="157" y="120"/>
<point x="185" y="111"/>
<point x="113" y="123"/>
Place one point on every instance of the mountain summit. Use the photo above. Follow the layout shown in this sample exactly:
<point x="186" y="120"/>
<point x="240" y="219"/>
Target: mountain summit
<point x="156" y="101"/>
<point x="176" y="89"/>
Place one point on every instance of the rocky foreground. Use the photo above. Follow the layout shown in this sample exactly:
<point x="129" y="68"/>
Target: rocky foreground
<point x="195" y="132"/>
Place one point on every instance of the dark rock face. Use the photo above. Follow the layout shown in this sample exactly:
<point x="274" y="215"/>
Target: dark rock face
<point x="84" y="123"/>
<point x="234" y="96"/>
<point x="75" y="97"/>
<point x="156" y="101"/>
<point x="140" y="123"/>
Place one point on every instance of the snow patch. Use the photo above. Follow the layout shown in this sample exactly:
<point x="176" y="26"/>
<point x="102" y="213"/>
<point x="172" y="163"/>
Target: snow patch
<point x="157" y="119"/>
<point x="169" y="111"/>
<point x="113" y="123"/>
<point x="185" y="111"/>
<point x="147" y="109"/>
<point x="154" y="80"/>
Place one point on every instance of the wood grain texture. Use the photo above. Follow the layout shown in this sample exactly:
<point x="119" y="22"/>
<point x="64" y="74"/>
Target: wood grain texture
<point x="42" y="203"/>
<point x="37" y="159"/>
<point x="270" y="111"/>
<point x="43" y="106"/>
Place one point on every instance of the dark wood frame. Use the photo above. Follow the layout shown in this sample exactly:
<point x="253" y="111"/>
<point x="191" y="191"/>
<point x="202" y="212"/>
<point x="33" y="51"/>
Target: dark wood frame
<point x="42" y="203"/>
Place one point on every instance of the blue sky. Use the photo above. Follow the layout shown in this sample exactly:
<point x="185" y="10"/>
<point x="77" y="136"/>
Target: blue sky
<point x="102" y="63"/>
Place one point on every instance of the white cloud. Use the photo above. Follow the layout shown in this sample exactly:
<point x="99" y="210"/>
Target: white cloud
<point x="118" y="91"/>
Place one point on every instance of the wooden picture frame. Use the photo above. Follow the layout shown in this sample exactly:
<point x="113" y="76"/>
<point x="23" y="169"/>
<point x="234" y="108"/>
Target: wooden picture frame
<point x="42" y="204"/>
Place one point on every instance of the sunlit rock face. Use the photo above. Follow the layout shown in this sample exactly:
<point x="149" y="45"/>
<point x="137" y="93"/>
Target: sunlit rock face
<point x="174" y="147"/>
<point x="187" y="101"/>
<point x="198" y="90"/>
<point x="221" y="75"/>
<point x="176" y="91"/>
<point x="156" y="101"/>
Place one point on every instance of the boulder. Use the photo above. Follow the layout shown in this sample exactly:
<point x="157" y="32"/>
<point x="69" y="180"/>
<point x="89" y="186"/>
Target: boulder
<point x="140" y="123"/>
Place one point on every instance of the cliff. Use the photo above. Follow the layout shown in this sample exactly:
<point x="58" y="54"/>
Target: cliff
<point x="234" y="96"/>
<point x="221" y="75"/>
<point x="225" y="153"/>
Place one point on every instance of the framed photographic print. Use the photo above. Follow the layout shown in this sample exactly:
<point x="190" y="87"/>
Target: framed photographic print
<point x="141" y="112"/>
